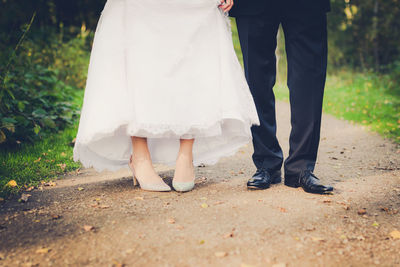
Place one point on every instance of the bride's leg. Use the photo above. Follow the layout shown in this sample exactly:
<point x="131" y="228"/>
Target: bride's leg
<point x="143" y="168"/>
<point x="184" y="170"/>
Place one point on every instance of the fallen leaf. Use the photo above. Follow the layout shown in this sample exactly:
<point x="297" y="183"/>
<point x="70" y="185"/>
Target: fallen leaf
<point x="395" y="234"/>
<point x="171" y="220"/>
<point x="362" y="211"/>
<point x="201" y="242"/>
<point x="36" y="161"/>
<point x="179" y="227"/>
<point x="139" y="198"/>
<point x="221" y="254"/>
<point x="88" y="228"/>
<point x="81" y="188"/>
<point x="12" y="183"/>
<point x="117" y="264"/>
<point x="327" y="201"/>
<point x="282" y="209"/>
<point x="24" y="197"/>
<point x="30" y="188"/>
<point x="50" y="183"/>
<point x="62" y="166"/>
<point x="43" y="250"/>
<point x="230" y="234"/>
<point x="218" y="203"/>
<point x="361" y="238"/>
<point x="375" y="224"/>
<point x="317" y="239"/>
<point x="204" y="205"/>
<point x="55" y="217"/>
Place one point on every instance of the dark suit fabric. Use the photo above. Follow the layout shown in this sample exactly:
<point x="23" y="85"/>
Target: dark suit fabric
<point x="306" y="48"/>
<point x="295" y="7"/>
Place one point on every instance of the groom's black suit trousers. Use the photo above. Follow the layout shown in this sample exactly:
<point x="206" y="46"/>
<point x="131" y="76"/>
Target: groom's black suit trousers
<point x="306" y="49"/>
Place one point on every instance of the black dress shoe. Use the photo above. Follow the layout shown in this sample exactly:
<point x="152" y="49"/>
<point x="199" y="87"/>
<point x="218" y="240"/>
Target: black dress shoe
<point x="263" y="179"/>
<point x="309" y="182"/>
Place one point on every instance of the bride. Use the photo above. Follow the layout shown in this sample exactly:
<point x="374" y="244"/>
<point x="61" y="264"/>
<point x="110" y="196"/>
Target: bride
<point x="164" y="86"/>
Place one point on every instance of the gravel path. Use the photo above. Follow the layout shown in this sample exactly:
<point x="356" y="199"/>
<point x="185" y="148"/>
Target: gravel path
<point x="90" y="219"/>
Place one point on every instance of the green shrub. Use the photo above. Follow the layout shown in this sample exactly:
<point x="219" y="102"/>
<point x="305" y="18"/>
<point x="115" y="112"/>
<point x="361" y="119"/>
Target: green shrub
<point x="37" y="89"/>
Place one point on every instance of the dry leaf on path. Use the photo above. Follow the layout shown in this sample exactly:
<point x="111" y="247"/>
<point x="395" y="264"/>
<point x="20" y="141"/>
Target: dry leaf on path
<point x="395" y="234"/>
<point x="30" y="188"/>
<point x="171" y="220"/>
<point x="81" y="188"/>
<point x="50" y="183"/>
<point x="180" y="227"/>
<point x="24" y="197"/>
<point x="139" y="198"/>
<point x="204" y="205"/>
<point x="317" y="239"/>
<point x="362" y="211"/>
<point x="221" y="254"/>
<point x="375" y="224"/>
<point x="117" y="264"/>
<point x="230" y="234"/>
<point x="43" y="250"/>
<point x="88" y="228"/>
<point x="282" y="209"/>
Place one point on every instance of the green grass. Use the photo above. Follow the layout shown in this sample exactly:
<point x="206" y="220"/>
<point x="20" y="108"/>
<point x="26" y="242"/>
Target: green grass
<point x="32" y="164"/>
<point x="37" y="162"/>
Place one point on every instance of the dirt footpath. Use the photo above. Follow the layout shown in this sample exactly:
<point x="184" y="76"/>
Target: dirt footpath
<point x="94" y="219"/>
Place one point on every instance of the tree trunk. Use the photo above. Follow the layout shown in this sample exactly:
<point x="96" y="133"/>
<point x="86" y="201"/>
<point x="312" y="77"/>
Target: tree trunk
<point x="375" y="35"/>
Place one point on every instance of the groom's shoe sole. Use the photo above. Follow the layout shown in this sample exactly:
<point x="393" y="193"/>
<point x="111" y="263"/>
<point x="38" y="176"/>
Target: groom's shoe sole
<point x="275" y="180"/>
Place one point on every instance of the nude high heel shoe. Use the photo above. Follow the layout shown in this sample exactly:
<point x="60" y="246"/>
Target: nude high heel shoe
<point x="157" y="187"/>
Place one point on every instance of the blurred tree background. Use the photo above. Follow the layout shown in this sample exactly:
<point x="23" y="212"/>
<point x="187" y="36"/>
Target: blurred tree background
<point x="45" y="50"/>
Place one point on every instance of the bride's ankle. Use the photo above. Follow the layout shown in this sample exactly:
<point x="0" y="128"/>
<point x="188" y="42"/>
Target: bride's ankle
<point x="140" y="159"/>
<point x="185" y="157"/>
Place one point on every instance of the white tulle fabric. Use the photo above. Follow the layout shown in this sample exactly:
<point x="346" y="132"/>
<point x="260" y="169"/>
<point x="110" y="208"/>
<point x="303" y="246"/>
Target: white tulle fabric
<point x="165" y="70"/>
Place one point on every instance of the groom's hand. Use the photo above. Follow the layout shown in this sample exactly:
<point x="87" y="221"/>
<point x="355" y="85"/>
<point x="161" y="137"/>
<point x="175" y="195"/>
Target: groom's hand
<point x="226" y="5"/>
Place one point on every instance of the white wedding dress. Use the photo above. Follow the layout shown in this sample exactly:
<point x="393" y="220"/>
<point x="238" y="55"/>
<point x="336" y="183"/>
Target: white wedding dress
<point x="165" y="70"/>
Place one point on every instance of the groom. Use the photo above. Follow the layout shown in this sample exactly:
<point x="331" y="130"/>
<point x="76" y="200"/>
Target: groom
<point x="305" y="29"/>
